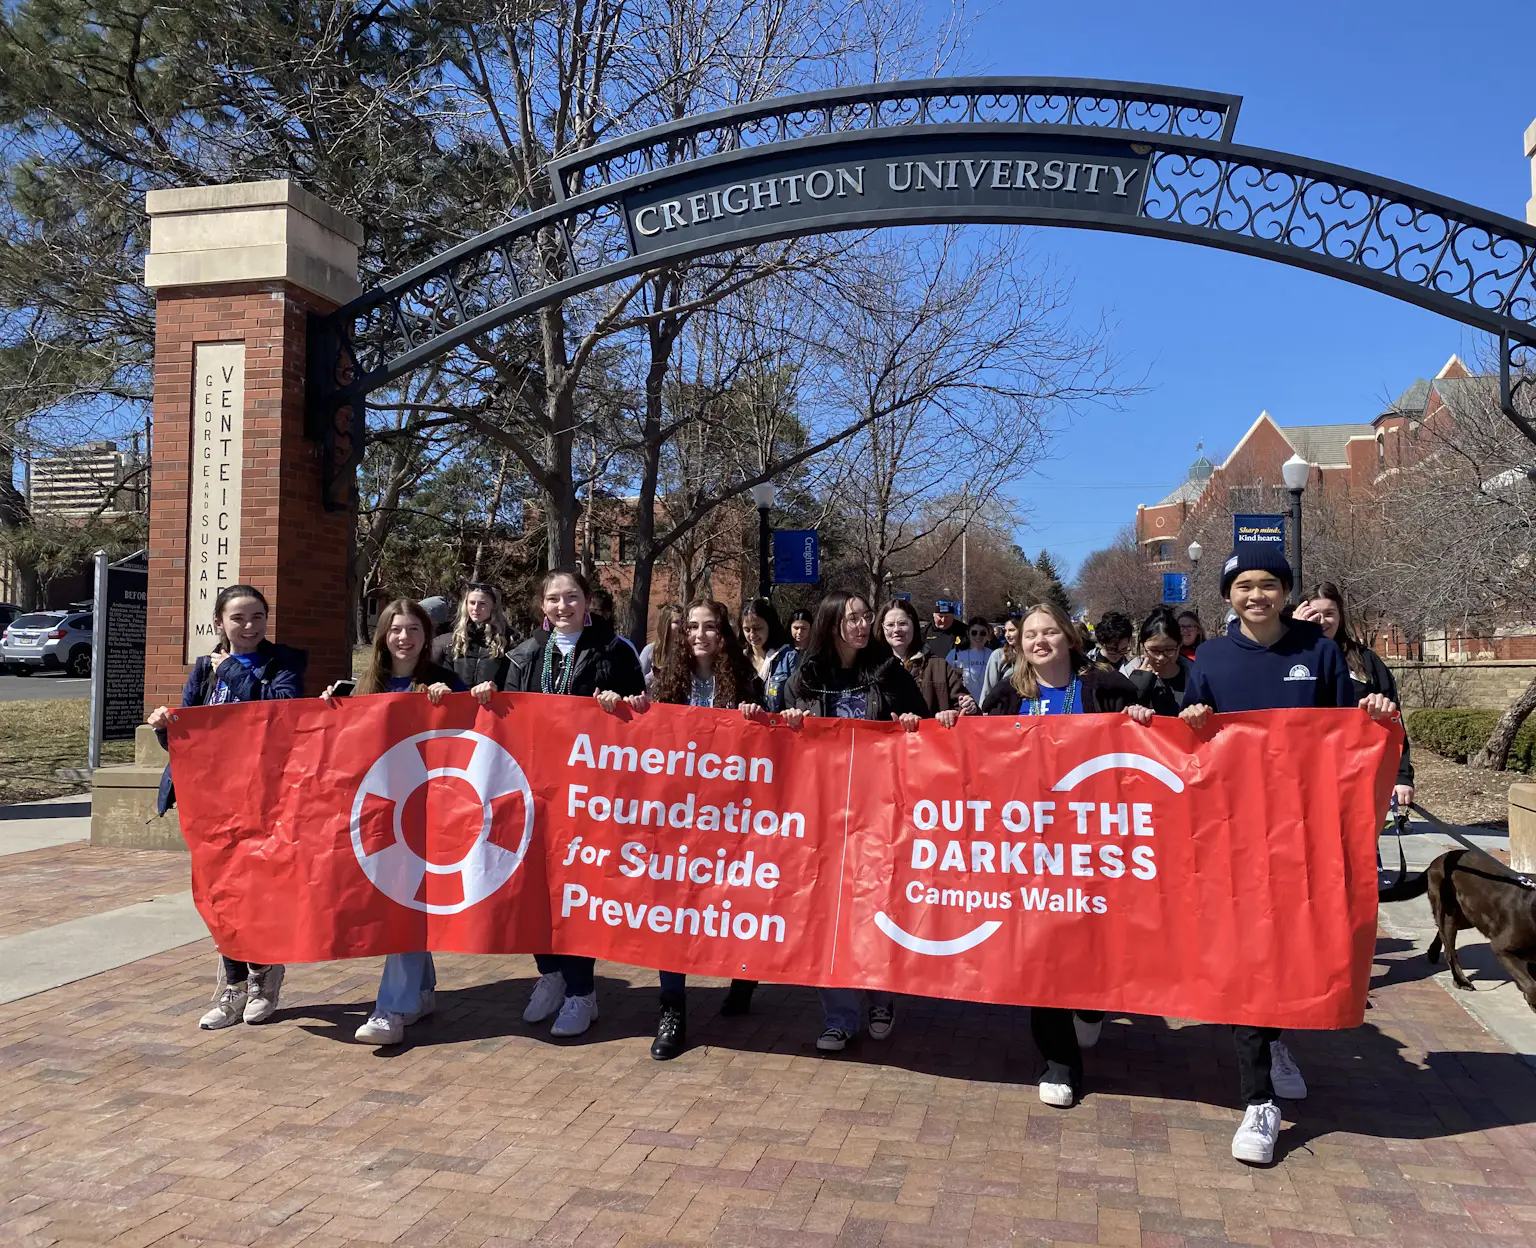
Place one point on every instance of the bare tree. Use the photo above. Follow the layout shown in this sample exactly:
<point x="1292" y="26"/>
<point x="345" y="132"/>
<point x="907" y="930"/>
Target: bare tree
<point x="1462" y="514"/>
<point x="1118" y="578"/>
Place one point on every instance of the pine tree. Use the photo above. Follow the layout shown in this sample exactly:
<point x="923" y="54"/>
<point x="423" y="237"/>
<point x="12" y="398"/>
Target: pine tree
<point x="1046" y="565"/>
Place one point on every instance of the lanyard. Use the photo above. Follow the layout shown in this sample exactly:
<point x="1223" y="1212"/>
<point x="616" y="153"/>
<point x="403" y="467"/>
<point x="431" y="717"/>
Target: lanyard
<point x="1037" y="704"/>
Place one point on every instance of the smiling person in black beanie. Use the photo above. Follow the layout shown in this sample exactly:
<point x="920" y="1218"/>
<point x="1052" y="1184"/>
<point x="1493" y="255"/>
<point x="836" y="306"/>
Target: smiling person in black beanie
<point x="1266" y="662"/>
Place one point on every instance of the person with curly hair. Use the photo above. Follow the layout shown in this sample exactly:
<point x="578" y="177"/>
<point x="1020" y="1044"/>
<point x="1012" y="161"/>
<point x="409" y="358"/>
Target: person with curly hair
<point x="706" y="665"/>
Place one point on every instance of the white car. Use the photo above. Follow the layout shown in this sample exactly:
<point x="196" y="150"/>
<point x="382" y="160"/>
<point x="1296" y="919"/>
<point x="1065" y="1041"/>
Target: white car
<point x="48" y="641"/>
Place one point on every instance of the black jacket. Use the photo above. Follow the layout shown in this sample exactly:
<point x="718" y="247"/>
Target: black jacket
<point x="1164" y="697"/>
<point x="475" y="665"/>
<point x="889" y="690"/>
<point x="1103" y="692"/>
<point x="278" y="673"/>
<point x="1379" y="679"/>
<point x="604" y="662"/>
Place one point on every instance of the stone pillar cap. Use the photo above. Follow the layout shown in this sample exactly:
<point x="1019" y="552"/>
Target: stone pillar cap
<point x="244" y="232"/>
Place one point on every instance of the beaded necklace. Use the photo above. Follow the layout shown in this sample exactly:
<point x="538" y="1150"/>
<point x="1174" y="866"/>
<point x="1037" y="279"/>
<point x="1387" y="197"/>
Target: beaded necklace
<point x="547" y="681"/>
<point x="1037" y="704"/>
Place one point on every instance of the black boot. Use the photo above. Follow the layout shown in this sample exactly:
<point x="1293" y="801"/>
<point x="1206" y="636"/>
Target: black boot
<point x="671" y="1031"/>
<point x="738" y="1000"/>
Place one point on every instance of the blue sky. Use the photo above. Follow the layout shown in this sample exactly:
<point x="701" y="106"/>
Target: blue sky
<point x="1406" y="90"/>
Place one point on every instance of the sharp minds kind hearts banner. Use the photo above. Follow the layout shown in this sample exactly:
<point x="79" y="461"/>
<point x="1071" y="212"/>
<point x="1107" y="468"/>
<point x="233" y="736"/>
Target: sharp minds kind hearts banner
<point x="1077" y="861"/>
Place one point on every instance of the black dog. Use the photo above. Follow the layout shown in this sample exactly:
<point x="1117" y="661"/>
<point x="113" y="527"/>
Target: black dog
<point x="1468" y="888"/>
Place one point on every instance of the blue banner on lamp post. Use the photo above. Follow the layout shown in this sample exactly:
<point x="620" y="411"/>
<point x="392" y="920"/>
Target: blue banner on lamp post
<point x="1175" y="586"/>
<point x="796" y="557"/>
<point x="1256" y="530"/>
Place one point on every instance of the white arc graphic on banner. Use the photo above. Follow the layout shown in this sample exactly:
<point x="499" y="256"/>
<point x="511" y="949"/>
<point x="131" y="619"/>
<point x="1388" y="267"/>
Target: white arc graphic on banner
<point x="974" y="937"/>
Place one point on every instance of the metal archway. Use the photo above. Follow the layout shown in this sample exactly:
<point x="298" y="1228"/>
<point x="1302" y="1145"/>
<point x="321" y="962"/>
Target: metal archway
<point x="1130" y="157"/>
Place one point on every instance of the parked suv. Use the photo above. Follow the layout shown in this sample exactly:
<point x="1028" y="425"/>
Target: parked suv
<point x="48" y="640"/>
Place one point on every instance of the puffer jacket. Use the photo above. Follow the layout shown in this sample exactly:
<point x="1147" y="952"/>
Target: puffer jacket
<point x="604" y="662"/>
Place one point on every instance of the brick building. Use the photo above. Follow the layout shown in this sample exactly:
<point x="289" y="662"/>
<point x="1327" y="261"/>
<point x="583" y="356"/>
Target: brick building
<point x="1348" y="463"/>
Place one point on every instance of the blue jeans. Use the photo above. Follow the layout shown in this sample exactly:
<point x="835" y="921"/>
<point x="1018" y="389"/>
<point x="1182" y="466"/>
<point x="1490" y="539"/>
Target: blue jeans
<point x="843" y="1008"/>
<point x="406" y="977"/>
<point x="578" y="972"/>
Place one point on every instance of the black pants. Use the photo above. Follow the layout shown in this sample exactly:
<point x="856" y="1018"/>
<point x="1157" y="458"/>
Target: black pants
<point x="239" y="972"/>
<point x="1253" y="1063"/>
<point x="1056" y="1035"/>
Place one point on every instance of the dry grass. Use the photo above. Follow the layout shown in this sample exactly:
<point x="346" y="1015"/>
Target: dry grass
<point x="38" y="738"/>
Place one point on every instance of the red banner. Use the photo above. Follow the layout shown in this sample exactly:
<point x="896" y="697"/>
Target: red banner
<point x="1073" y="861"/>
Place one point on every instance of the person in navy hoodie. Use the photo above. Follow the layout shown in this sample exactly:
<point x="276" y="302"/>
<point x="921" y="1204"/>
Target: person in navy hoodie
<point x="1267" y="662"/>
<point x="244" y="667"/>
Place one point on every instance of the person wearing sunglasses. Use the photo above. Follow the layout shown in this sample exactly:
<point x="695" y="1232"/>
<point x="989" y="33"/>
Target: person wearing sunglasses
<point x="972" y="659"/>
<point x="849" y="672"/>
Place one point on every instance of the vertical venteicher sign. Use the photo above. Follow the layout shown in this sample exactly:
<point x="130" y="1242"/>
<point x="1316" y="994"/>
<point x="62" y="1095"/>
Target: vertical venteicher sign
<point x="218" y="461"/>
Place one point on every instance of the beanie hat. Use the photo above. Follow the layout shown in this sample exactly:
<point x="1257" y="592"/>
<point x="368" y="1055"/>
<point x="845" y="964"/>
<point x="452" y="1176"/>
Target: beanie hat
<point x="1259" y="557"/>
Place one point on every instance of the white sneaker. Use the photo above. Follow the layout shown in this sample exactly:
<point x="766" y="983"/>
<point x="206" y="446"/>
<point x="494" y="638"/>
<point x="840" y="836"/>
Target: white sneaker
<point x="1284" y="1074"/>
<point x="228" y="1008"/>
<point x="1087" y="1033"/>
<point x="1255" y="1139"/>
<point x="1056" y="1086"/>
<point x="262" y="992"/>
<point x="428" y="1006"/>
<point x="383" y="1027"/>
<point x="548" y="997"/>
<point x="576" y="1015"/>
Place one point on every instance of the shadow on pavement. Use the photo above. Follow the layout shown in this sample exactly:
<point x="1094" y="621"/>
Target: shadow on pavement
<point x="47" y="810"/>
<point x="1360" y="1081"/>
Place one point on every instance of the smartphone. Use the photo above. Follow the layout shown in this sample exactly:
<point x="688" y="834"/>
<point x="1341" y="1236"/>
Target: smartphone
<point x="344" y="689"/>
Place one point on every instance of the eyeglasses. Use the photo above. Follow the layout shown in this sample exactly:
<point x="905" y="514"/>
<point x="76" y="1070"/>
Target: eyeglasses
<point x="860" y="617"/>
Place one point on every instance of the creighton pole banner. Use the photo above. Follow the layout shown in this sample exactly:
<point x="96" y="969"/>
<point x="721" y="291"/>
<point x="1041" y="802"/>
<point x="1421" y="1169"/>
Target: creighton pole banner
<point x="1076" y="861"/>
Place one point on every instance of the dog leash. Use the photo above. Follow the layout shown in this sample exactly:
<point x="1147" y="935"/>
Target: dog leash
<point x="1445" y="829"/>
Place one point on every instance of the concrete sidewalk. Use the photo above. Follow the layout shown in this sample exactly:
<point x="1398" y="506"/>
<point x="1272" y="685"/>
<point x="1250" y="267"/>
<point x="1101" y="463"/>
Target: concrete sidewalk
<point x="38" y="825"/>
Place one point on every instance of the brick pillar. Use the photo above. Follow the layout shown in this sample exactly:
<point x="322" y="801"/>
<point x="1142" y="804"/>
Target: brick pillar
<point x="235" y="493"/>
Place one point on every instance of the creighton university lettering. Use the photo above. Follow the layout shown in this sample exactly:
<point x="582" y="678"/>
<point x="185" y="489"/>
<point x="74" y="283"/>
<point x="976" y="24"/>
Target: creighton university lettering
<point x="917" y="177"/>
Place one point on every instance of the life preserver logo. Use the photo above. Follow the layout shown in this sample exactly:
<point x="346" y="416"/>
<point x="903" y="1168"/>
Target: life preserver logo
<point x="442" y="820"/>
<point x="1300" y="671"/>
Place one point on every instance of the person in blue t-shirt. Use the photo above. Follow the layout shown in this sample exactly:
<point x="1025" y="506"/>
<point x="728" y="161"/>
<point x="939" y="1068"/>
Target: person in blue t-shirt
<point x="1267" y="662"/>
<point x="402" y="663"/>
<point x="244" y="667"/>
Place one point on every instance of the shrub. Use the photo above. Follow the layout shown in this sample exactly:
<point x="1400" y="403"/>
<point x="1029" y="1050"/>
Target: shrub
<point x="1459" y="733"/>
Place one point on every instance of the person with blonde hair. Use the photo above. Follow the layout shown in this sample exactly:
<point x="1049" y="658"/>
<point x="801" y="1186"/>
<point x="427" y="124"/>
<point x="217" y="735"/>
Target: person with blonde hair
<point x="401" y="663"/>
<point x="476" y="650"/>
<point x="1053" y="676"/>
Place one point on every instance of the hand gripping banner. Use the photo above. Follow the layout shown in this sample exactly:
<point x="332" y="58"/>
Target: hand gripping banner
<point x="1076" y="861"/>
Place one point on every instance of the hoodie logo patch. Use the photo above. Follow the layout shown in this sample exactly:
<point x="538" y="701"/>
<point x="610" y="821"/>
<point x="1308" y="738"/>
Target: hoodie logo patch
<point x="1300" y="672"/>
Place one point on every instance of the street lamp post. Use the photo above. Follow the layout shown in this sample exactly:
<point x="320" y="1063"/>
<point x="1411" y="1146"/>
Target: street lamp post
<point x="1296" y="472"/>
<point x="1195" y="551"/>
<point x="762" y="497"/>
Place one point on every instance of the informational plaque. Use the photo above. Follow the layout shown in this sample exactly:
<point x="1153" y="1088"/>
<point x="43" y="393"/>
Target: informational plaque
<point x="117" y="650"/>
<point x="218" y="461"/>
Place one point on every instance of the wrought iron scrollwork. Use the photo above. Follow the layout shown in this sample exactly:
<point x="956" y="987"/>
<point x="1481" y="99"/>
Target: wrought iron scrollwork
<point x="1133" y="106"/>
<point x="1453" y="257"/>
<point x="1470" y="265"/>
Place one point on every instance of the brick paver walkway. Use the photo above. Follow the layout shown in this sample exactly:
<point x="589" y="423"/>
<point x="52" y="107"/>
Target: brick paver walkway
<point x="47" y="886"/>
<point x="121" y="1123"/>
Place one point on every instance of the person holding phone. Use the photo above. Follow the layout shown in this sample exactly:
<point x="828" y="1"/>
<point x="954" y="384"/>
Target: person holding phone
<point x="244" y="667"/>
<point x="401" y="663"/>
<point x="576" y="655"/>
